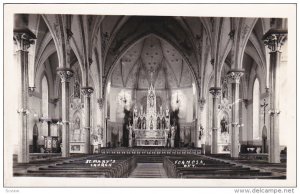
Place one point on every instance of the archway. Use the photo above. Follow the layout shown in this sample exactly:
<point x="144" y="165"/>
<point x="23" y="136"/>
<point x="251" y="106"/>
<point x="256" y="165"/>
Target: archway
<point x="152" y="61"/>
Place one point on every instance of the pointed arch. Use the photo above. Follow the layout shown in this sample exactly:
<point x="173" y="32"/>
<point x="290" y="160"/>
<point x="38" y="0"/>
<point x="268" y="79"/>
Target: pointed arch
<point x="139" y="38"/>
<point x="45" y="96"/>
<point x="255" y="112"/>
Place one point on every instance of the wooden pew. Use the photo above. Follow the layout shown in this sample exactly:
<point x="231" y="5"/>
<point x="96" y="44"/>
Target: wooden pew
<point x="79" y="168"/>
<point x="212" y="169"/>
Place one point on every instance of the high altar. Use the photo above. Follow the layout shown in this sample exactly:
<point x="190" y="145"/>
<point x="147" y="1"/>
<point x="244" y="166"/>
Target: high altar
<point x="151" y="127"/>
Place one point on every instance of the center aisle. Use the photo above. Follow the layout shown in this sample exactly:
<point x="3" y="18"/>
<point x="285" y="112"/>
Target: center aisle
<point x="149" y="170"/>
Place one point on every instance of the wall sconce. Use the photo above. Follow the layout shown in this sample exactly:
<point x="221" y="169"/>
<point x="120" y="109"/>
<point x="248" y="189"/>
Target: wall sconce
<point x="273" y="112"/>
<point x="24" y="111"/>
<point x="123" y="98"/>
<point x="237" y="125"/>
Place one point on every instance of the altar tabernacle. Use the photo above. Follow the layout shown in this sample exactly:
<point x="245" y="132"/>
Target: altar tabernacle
<point x="150" y="127"/>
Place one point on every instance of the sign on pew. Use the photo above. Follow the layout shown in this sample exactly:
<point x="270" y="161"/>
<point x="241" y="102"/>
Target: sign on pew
<point x="100" y="163"/>
<point x="189" y="163"/>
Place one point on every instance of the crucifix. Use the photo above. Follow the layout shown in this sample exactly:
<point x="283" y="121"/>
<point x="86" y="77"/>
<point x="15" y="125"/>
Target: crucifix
<point x="264" y="105"/>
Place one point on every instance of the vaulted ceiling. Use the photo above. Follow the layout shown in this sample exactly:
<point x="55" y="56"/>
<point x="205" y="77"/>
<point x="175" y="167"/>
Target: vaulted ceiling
<point x="151" y="54"/>
<point x="123" y="49"/>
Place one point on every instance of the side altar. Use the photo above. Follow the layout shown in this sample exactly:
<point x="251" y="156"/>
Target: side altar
<point x="151" y="127"/>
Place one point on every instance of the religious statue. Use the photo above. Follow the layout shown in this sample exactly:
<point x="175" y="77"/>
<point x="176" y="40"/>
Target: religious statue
<point x="173" y="131"/>
<point x="144" y="123"/>
<point x="151" y="99"/>
<point x="201" y="132"/>
<point x="224" y="126"/>
<point x="158" y="123"/>
<point x="172" y="136"/>
<point x="77" y="123"/>
<point x="133" y="138"/>
<point x="76" y="90"/>
<point x="129" y="129"/>
<point x="151" y="124"/>
<point x="139" y="123"/>
<point x="167" y="112"/>
<point x="163" y="123"/>
<point x="225" y="92"/>
<point x="135" y="112"/>
<point x="168" y="144"/>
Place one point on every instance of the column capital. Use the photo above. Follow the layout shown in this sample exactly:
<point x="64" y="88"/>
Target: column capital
<point x="235" y="75"/>
<point x="87" y="91"/>
<point x="65" y="74"/>
<point x="24" y="38"/>
<point x="275" y="38"/>
<point x="215" y="91"/>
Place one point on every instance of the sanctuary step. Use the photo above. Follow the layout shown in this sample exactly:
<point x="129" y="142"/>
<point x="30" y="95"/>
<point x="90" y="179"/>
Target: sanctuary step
<point x="149" y="170"/>
<point x="149" y="159"/>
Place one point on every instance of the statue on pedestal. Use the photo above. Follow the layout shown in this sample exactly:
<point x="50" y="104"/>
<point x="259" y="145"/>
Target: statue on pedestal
<point x="144" y="123"/>
<point x="158" y="123"/>
<point x="163" y="123"/>
<point x="167" y="112"/>
<point x="172" y="131"/>
<point x="130" y="135"/>
<point x="224" y="125"/>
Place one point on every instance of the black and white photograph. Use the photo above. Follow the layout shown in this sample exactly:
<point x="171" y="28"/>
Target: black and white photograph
<point x="96" y="94"/>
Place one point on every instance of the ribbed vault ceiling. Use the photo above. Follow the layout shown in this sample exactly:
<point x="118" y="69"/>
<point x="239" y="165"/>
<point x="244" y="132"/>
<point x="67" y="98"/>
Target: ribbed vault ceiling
<point x="151" y="54"/>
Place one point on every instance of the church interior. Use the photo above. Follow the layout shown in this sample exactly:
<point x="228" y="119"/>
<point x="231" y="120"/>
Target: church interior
<point x="149" y="96"/>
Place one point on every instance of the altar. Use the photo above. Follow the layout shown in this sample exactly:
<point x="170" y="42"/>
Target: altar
<point x="151" y="127"/>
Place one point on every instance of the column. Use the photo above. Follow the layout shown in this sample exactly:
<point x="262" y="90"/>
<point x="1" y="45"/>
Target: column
<point x="23" y="39"/>
<point x="201" y="103"/>
<point x="215" y="91"/>
<point x="65" y="75"/>
<point x="101" y="121"/>
<point x="86" y="92"/>
<point x="274" y="39"/>
<point x="234" y="78"/>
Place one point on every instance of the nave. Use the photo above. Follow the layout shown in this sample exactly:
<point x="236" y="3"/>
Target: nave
<point x="150" y="97"/>
<point x="151" y="165"/>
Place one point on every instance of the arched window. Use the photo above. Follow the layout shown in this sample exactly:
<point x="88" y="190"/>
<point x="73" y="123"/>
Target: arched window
<point x="45" y="97"/>
<point x="256" y="105"/>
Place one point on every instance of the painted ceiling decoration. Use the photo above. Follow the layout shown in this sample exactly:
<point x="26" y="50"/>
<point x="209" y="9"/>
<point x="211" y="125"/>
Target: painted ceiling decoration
<point x="151" y="54"/>
<point x="127" y="47"/>
<point x="135" y="28"/>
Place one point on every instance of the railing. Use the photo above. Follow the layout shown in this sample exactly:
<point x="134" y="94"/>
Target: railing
<point x="151" y="151"/>
<point x="43" y="156"/>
